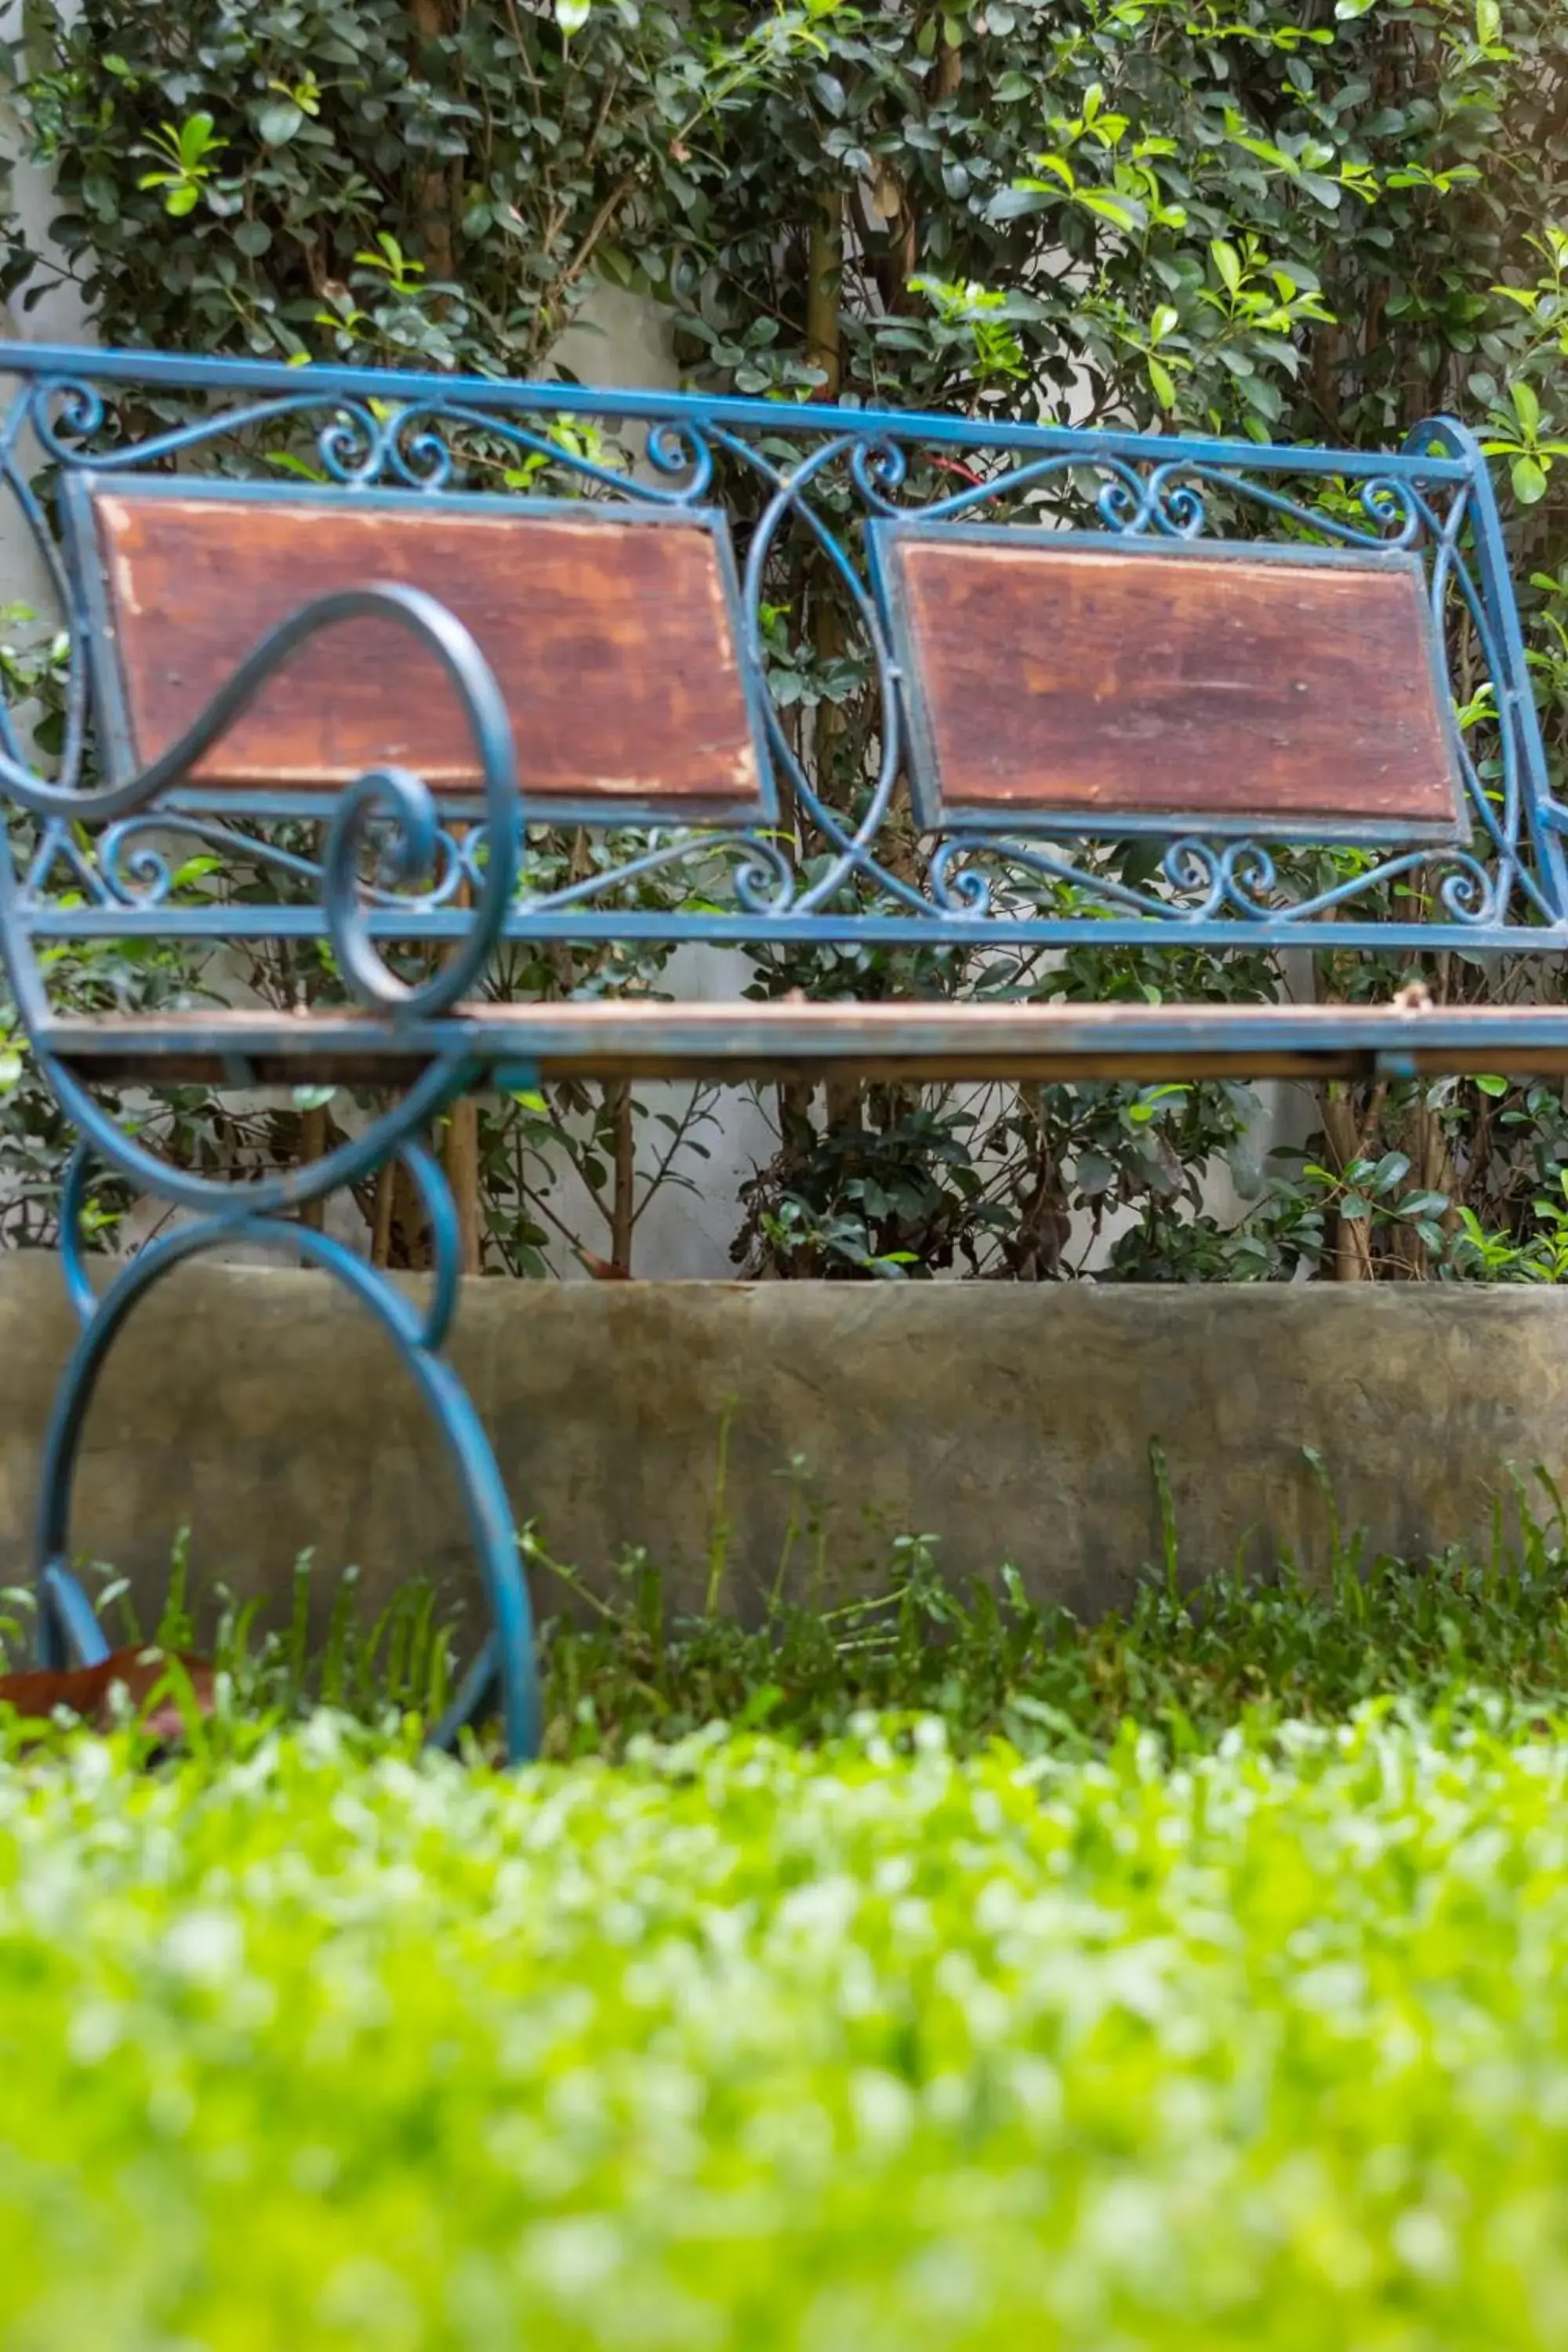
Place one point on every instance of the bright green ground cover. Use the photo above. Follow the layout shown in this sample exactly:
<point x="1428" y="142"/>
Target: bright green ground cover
<point x="1189" y="2036"/>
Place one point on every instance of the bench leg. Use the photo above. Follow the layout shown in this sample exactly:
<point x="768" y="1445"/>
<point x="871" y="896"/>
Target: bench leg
<point x="68" y="1632"/>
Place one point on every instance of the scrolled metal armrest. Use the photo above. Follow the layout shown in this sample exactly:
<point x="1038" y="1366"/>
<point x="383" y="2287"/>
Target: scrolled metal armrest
<point x="393" y="791"/>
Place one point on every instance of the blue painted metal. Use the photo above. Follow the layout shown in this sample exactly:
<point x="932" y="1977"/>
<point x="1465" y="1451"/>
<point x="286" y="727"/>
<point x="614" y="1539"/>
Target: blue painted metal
<point x="74" y="372"/>
<point x="1208" y="931"/>
<point x="68" y="1632"/>
<point x="401" y="807"/>
<point x="828" y="474"/>
<point x="836" y="475"/>
<point x="110" y="857"/>
<point x="68" y="1629"/>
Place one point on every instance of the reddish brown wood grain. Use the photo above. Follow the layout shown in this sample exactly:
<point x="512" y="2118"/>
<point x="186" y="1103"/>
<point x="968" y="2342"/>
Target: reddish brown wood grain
<point x="610" y="640"/>
<point x="1070" y="680"/>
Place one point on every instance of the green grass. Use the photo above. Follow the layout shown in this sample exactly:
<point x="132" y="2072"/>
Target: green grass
<point x="743" y="2044"/>
<point x="1198" y="1980"/>
<point x="1188" y="1663"/>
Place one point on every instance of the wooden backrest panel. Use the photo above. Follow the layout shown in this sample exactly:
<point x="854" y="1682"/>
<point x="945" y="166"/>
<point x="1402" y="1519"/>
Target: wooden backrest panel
<point x="1061" y="684"/>
<point x="612" y="632"/>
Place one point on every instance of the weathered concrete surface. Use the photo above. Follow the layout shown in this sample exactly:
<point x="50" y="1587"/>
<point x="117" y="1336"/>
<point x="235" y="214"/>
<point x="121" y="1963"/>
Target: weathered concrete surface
<point x="262" y="1409"/>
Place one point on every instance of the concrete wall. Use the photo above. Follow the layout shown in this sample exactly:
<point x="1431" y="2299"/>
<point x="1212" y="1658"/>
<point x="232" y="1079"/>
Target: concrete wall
<point x="262" y="1408"/>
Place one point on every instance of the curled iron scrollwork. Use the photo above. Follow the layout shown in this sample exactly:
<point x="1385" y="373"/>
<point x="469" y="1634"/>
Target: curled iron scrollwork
<point x="790" y="476"/>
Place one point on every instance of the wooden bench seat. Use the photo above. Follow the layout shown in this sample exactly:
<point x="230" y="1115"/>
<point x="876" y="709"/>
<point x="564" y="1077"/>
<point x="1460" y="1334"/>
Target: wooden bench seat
<point x="644" y="1038"/>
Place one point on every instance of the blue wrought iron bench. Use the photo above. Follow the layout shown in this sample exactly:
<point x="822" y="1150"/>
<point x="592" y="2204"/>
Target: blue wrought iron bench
<point x="351" y="651"/>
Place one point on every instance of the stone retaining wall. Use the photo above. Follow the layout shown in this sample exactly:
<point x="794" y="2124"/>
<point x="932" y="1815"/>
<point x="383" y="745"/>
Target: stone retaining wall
<point x="793" y="1426"/>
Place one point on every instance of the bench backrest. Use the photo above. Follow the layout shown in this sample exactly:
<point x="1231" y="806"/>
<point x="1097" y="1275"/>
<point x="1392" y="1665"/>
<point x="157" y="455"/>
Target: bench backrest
<point x="1214" y="652"/>
<point x="612" y="630"/>
<point x="1125" y="684"/>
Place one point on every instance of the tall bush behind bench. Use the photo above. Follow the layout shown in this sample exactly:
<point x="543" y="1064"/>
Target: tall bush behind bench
<point x="1309" y="223"/>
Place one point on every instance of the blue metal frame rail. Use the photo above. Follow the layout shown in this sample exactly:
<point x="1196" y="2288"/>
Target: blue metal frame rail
<point x="829" y="473"/>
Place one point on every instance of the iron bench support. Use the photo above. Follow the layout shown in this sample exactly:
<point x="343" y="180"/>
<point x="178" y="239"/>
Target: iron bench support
<point x="1127" y="690"/>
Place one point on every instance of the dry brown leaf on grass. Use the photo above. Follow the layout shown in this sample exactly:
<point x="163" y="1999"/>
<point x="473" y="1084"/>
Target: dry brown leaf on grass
<point x="88" y="1691"/>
